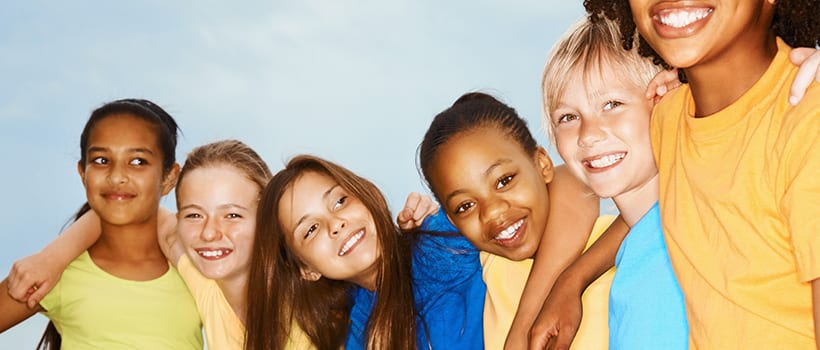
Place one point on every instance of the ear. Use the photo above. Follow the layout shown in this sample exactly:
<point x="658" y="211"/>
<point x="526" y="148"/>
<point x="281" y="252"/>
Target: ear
<point x="309" y="275"/>
<point x="81" y="171"/>
<point x="542" y="159"/>
<point x="170" y="179"/>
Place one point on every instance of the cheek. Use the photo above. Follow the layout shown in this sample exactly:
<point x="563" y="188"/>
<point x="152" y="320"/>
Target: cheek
<point x="187" y="233"/>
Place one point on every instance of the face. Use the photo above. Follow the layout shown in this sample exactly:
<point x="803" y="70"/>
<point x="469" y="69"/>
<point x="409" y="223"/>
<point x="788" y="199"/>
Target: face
<point x="493" y="191"/>
<point x="123" y="171"/>
<point x="331" y="231"/>
<point x="216" y="220"/>
<point x="602" y="133"/>
<point x="688" y="33"/>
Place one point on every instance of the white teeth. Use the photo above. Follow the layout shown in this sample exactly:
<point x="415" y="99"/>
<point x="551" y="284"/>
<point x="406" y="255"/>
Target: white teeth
<point x="510" y="231"/>
<point x="350" y="242"/>
<point x="211" y="253"/>
<point x="681" y="18"/>
<point x="606" y="160"/>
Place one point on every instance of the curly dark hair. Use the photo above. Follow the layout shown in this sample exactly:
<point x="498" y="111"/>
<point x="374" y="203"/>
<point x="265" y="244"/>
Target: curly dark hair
<point x="797" y="22"/>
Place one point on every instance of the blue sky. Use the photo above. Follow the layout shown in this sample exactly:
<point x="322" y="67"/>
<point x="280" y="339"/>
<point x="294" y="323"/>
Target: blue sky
<point x="353" y="81"/>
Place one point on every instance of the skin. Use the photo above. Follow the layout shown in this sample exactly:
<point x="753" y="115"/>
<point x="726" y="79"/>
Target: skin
<point x="331" y="231"/>
<point x="489" y="184"/>
<point x="720" y="68"/>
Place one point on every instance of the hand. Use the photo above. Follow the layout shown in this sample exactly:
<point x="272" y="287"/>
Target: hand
<point x="663" y="82"/>
<point x="30" y="279"/>
<point x="809" y="61"/>
<point x="416" y="208"/>
<point x="559" y="319"/>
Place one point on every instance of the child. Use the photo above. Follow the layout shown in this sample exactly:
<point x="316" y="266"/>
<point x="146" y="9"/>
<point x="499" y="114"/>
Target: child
<point x="121" y="292"/>
<point x="210" y="240"/>
<point x="738" y="167"/>
<point x="598" y="115"/>
<point x="490" y="176"/>
<point x="328" y="237"/>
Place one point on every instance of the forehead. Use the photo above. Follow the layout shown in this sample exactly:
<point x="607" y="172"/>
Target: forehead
<point x="305" y="195"/>
<point x="470" y="154"/>
<point x="124" y="129"/>
<point x="220" y="182"/>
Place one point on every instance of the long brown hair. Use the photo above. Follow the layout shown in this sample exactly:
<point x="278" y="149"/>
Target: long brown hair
<point x="279" y="294"/>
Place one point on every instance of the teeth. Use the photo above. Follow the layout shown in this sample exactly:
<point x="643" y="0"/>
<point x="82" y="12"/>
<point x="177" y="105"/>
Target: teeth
<point x="681" y="18"/>
<point x="509" y="231"/>
<point x="606" y="160"/>
<point x="212" y="253"/>
<point x="350" y="242"/>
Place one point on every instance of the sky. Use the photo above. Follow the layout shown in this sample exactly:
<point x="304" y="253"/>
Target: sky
<point x="356" y="82"/>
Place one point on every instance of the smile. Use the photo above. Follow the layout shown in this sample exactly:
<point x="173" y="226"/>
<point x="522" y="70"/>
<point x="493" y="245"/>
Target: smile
<point x="605" y="160"/>
<point x="350" y="243"/>
<point x="213" y="254"/>
<point x="509" y="232"/>
<point x="680" y="18"/>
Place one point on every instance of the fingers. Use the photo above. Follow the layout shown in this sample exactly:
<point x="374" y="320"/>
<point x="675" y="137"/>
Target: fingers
<point x="416" y="208"/>
<point x="38" y="294"/>
<point x="662" y="83"/>
<point x="564" y="338"/>
<point x="541" y="334"/>
<point x="809" y="61"/>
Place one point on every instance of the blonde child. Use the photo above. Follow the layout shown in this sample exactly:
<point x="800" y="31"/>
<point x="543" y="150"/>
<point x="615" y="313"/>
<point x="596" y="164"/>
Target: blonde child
<point x="501" y="191"/>
<point x="121" y="292"/>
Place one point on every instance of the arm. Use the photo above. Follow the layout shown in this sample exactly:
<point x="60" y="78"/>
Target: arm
<point x="815" y="299"/>
<point x="560" y="317"/>
<point x="573" y="210"/>
<point x="32" y="277"/>
<point x="14" y="312"/>
<point x="168" y="239"/>
<point x="416" y="209"/>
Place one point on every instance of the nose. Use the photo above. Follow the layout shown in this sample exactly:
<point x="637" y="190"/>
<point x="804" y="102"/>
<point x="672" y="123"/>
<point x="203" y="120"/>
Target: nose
<point x="590" y="132"/>
<point x="212" y="230"/>
<point x="118" y="174"/>
<point x="493" y="209"/>
<point x="337" y="226"/>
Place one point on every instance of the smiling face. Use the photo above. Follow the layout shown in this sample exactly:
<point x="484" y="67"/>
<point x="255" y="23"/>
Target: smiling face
<point x="331" y="232"/>
<point x="687" y="33"/>
<point x="216" y="220"/>
<point x="123" y="175"/>
<point x="493" y="191"/>
<point x="602" y="132"/>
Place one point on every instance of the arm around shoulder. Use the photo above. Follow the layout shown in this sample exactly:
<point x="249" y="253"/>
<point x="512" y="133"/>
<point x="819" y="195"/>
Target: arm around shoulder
<point x="14" y="312"/>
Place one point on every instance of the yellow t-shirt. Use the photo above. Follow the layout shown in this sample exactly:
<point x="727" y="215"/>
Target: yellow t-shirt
<point x="740" y="204"/>
<point x="93" y="309"/>
<point x="505" y="280"/>
<point x="223" y="329"/>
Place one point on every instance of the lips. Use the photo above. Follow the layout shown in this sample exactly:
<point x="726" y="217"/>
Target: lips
<point x="674" y="22"/>
<point x="603" y="162"/>
<point x="511" y="234"/>
<point x="213" y="253"/>
<point x="351" y="242"/>
<point x="118" y="196"/>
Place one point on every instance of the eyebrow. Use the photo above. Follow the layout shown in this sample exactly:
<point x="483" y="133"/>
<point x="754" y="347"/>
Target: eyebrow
<point x="324" y="197"/>
<point x="223" y="206"/>
<point x="486" y="173"/>
<point x="132" y="150"/>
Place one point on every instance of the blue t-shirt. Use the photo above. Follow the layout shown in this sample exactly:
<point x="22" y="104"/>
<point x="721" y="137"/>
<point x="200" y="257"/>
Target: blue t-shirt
<point x="448" y="291"/>
<point x="646" y="308"/>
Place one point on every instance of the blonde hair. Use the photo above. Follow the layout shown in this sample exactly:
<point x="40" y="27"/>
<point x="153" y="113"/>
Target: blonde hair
<point x="586" y="47"/>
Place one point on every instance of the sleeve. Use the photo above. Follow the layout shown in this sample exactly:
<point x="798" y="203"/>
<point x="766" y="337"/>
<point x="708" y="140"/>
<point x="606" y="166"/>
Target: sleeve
<point x="801" y="176"/>
<point x="51" y="302"/>
<point x="191" y="276"/>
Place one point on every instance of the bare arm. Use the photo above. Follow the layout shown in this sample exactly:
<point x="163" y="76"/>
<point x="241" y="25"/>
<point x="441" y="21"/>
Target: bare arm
<point x="809" y="61"/>
<point x="167" y="236"/>
<point x="14" y="311"/>
<point x="573" y="210"/>
<point x="560" y="317"/>
<point x="815" y="299"/>
<point x="32" y="277"/>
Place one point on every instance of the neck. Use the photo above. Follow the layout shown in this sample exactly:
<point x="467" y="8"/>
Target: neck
<point x="719" y="82"/>
<point x="235" y="291"/>
<point x="635" y="203"/>
<point x="129" y="242"/>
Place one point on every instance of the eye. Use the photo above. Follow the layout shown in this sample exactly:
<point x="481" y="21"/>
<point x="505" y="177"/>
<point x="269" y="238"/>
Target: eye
<point x="193" y="216"/>
<point x="566" y="118"/>
<point x="138" y="161"/>
<point x="504" y="181"/>
<point x="233" y="216"/>
<point x="311" y="230"/>
<point x="611" y="105"/>
<point x="99" y="160"/>
<point x="463" y="207"/>
<point x="340" y="202"/>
